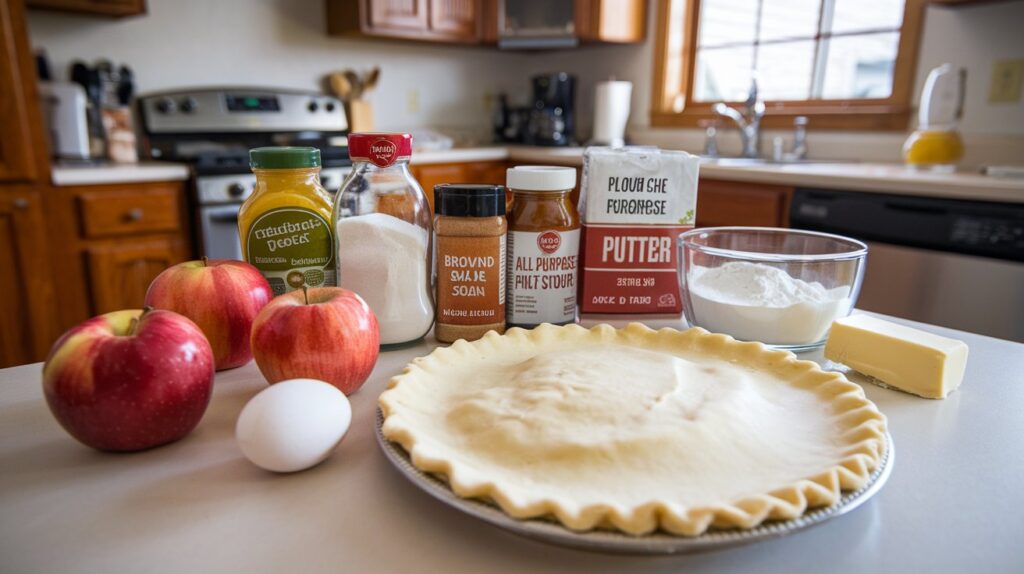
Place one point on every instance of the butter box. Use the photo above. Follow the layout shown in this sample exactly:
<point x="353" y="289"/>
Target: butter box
<point x="634" y="202"/>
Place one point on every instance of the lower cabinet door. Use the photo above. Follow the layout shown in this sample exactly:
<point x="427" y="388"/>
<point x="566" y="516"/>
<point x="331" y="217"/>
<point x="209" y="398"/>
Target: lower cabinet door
<point x="120" y="273"/>
<point x="27" y="315"/>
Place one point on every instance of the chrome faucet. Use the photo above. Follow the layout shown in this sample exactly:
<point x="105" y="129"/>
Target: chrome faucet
<point x="748" y="121"/>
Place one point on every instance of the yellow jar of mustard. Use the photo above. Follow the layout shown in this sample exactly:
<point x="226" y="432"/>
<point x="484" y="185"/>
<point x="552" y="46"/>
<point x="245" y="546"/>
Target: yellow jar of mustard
<point x="285" y="225"/>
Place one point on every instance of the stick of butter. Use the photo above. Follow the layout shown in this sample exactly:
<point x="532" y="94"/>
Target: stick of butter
<point x="900" y="357"/>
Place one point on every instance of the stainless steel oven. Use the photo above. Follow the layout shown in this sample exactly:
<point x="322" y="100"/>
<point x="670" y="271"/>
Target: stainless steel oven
<point x="213" y="129"/>
<point x="221" y="196"/>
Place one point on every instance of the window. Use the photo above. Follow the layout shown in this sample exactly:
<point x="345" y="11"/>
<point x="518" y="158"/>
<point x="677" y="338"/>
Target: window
<point x="845" y="63"/>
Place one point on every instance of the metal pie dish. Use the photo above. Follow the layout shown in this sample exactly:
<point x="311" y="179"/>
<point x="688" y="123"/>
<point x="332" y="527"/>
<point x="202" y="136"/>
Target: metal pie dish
<point x="618" y="542"/>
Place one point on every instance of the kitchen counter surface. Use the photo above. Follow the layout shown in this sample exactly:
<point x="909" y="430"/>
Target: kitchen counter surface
<point x="106" y="173"/>
<point x="850" y="176"/>
<point x="951" y="505"/>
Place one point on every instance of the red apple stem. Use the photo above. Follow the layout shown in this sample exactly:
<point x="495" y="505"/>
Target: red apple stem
<point x="205" y="259"/>
<point x="134" y="324"/>
<point x="305" y="294"/>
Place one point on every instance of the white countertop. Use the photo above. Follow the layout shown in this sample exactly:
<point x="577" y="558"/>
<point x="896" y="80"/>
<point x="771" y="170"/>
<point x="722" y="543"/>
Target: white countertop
<point x="952" y="504"/>
<point x="109" y="172"/>
<point x="851" y="176"/>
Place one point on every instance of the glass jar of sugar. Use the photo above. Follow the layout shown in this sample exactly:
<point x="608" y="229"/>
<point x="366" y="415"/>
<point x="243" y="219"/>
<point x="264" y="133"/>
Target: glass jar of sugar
<point x="383" y="230"/>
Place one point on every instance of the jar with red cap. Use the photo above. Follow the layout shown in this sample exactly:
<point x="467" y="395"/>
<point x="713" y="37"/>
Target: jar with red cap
<point x="384" y="233"/>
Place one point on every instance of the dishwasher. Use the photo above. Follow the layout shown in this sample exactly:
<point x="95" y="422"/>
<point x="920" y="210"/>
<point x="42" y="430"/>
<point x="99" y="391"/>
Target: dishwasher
<point x="947" y="262"/>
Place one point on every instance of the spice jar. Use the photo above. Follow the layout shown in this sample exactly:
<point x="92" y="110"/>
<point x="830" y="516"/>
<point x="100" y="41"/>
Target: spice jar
<point x="543" y="246"/>
<point x="470" y="228"/>
<point x="384" y="230"/>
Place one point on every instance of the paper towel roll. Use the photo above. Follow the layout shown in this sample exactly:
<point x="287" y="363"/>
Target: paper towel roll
<point x="611" y="112"/>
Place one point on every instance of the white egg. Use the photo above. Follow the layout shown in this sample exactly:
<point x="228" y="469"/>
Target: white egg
<point x="293" y="424"/>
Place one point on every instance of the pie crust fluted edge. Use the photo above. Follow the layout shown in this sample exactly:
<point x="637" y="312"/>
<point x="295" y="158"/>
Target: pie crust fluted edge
<point x="865" y="429"/>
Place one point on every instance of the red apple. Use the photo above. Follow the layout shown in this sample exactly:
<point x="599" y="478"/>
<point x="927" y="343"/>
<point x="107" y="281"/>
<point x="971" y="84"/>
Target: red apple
<point x="221" y="296"/>
<point x="129" y="380"/>
<point x="327" y="333"/>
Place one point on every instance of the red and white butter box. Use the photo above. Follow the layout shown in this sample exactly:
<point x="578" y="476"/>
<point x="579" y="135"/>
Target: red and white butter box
<point x="635" y="202"/>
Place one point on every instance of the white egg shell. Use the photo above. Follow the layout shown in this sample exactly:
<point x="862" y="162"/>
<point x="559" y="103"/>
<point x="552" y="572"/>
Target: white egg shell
<point x="293" y="424"/>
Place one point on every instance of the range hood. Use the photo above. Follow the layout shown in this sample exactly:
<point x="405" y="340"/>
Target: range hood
<point x="536" y="24"/>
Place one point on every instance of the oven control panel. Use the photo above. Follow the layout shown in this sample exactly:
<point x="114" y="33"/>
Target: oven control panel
<point x="236" y="188"/>
<point x="241" y="110"/>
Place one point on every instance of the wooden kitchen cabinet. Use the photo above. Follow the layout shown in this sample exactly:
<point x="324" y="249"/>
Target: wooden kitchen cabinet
<point x="120" y="273"/>
<point x="23" y="150"/>
<point x="611" y="21"/>
<point x="722" y="202"/>
<point x="459" y="18"/>
<point x="110" y="241"/>
<point x="476" y="21"/>
<point x="115" y="8"/>
<point x="28" y="315"/>
<point x="431" y="174"/>
<point x="456" y="21"/>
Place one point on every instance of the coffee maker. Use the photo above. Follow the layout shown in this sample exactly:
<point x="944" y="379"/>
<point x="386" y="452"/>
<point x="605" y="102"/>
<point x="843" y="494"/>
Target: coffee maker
<point x="551" y="117"/>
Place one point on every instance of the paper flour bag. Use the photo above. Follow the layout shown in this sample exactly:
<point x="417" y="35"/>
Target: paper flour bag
<point x="634" y="203"/>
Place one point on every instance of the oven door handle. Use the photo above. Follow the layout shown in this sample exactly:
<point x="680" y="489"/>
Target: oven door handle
<point x="223" y="217"/>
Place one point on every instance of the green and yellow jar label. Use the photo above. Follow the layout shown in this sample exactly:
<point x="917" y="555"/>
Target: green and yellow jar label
<point x="292" y="247"/>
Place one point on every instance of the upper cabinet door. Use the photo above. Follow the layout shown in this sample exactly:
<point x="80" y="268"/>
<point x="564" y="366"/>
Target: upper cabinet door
<point x="613" y="21"/>
<point x="22" y="148"/>
<point x="456" y="18"/>
<point x="114" y="8"/>
<point x="398" y="14"/>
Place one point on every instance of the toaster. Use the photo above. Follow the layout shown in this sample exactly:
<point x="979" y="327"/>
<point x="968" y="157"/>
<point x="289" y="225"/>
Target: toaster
<point x="64" y="113"/>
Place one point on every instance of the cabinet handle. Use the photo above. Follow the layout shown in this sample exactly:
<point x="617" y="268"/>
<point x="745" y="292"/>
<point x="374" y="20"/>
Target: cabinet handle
<point x="134" y="214"/>
<point x="20" y="203"/>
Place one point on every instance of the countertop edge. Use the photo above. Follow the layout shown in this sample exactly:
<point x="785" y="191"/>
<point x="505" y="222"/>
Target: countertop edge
<point x="66" y="175"/>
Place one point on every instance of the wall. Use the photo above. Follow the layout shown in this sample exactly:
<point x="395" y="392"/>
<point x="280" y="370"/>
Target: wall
<point x="282" y="43"/>
<point x="973" y="37"/>
<point x="969" y="36"/>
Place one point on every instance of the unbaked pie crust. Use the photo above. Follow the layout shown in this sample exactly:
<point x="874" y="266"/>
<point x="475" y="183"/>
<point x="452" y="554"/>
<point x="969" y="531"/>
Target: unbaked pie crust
<point x="634" y="429"/>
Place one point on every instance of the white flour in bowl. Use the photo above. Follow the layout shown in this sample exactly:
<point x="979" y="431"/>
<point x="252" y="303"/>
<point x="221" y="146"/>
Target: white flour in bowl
<point x="758" y="302"/>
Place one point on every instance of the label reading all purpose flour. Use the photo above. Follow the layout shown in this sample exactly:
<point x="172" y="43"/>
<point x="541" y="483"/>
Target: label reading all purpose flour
<point x="542" y="271"/>
<point x="292" y="247"/>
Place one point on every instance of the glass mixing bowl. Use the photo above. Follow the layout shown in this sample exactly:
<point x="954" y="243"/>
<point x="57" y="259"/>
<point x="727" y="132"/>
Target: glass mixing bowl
<point x="782" y="287"/>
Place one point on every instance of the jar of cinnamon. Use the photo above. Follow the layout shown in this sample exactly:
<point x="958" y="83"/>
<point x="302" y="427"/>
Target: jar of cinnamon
<point x="543" y="246"/>
<point x="470" y="226"/>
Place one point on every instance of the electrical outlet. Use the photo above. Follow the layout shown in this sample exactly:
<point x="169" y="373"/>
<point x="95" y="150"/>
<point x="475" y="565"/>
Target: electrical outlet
<point x="1007" y="76"/>
<point x="412" y="101"/>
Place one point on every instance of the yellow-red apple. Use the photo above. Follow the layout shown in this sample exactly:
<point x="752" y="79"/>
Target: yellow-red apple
<point x="222" y="296"/>
<point x="129" y="380"/>
<point x="326" y="333"/>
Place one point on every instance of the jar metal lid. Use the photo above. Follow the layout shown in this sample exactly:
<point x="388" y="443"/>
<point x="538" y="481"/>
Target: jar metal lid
<point x="469" y="200"/>
<point x="541" y="178"/>
<point x="284" y="157"/>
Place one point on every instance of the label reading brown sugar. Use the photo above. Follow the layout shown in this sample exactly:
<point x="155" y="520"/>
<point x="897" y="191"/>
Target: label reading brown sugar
<point x="471" y="280"/>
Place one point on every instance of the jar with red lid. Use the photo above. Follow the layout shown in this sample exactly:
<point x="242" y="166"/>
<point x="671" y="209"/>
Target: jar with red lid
<point x="383" y="236"/>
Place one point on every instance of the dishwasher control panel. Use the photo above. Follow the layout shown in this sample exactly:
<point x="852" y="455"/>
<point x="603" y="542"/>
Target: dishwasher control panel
<point x="987" y="229"/>
<point x="975" y="231"/>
